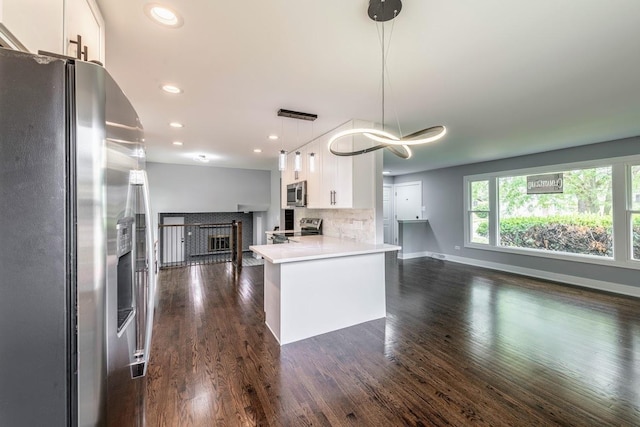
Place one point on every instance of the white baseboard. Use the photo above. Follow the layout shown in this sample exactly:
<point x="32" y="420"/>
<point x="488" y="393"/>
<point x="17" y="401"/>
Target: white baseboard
<point x="411" y="255"/>
<point x="541" y="274"/>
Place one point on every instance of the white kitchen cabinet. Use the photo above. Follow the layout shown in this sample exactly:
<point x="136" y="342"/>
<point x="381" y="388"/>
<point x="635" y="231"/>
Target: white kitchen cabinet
<point x="51" y="25"/>
<point x="314" y="191"/>
<point x="337" y="172"/>
<point x="36" y="24"/>
<point x="83" y="18"/>
<point x="341" y="182"/>
<point x="338" y="182"/>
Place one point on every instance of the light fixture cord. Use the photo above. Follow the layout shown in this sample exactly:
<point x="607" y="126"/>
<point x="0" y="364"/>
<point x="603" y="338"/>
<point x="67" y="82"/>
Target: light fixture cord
<point x="282" y="134"/>
<point x="385" y="54"/>
<point x="383" y="67"/>
<point x="393" y="103"/>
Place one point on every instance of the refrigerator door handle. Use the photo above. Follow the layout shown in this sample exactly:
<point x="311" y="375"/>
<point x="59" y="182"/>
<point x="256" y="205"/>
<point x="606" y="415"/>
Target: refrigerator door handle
<point x="142" y="354"/>
<point x="151" y="278"/>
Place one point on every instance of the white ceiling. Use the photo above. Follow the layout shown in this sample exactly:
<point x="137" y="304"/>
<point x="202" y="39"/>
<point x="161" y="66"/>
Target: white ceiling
<point x="506" y="77"/>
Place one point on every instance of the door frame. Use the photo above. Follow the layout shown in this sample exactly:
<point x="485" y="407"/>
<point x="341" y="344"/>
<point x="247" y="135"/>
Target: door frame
<point x="395" y="201"/>
<point x="172" y="220"/>
<point x="391" y="212"/>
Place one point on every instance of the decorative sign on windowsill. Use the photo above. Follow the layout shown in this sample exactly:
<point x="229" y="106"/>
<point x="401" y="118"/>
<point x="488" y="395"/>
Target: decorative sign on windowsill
<point x="545" y="184"/>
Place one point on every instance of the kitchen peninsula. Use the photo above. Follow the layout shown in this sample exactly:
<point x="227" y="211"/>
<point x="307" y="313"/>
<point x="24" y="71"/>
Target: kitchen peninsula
<point x="319" y="284"/>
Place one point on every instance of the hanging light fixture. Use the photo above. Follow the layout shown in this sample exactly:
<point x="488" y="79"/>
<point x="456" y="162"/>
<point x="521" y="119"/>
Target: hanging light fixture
<point x="312" y="162"/>
<point x="381" y="11"/>
<point x="297" y="162"/>
<point x="282" y="158"/>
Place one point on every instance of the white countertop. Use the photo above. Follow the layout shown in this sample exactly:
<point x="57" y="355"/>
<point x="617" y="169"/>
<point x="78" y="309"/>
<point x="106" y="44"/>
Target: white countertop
<point x="412" y="221"/>
<point x="304" y="248"/>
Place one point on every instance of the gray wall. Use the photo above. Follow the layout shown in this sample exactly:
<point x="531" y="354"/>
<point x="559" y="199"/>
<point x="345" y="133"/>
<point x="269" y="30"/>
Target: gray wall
<point x="180" y="188"/>
<point x="443" y="197"/>
<point x="183" y="189"/>
<point x="197" y="243"/>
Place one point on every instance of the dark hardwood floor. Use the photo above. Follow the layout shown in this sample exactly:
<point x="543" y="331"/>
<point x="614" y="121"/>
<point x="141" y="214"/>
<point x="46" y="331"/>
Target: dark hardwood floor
<point x="460" y="346"/>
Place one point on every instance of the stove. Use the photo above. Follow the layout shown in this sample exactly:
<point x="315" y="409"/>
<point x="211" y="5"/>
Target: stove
<point x="310" y="226"/>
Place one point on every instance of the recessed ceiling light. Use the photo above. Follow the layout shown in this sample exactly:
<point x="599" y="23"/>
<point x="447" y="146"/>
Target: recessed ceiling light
<point x="273" y="137"/>
<point x="163" y="15"/>
<point x="257" y="150"/>
<point x="178" y="143"/>
<point x="171" y="89"/>
<point x="176" y="125"/>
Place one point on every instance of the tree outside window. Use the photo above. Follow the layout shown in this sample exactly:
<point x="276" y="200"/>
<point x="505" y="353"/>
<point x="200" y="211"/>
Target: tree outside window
<point x="578" y="220"/>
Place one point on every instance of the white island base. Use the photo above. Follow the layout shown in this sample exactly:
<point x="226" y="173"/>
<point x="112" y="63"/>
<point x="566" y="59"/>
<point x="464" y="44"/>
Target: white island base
<point x="320" y="285"/>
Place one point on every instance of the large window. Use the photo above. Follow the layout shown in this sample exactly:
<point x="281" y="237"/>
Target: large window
<point x="567" y="211"/>
<point x="577" y="211"/>
<point x="634" y="204"/>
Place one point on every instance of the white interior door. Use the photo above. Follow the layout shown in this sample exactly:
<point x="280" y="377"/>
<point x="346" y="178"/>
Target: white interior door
<point x="387" y="214"/>
<point x="408" y="203"/>
<point x="173" y="240"/>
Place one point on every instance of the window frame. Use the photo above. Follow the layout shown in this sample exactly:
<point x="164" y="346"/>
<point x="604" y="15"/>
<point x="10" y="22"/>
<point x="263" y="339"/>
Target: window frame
<point x="470" y="211"/>
<point x="630" y="211"/>
<point x="621" y="211"/>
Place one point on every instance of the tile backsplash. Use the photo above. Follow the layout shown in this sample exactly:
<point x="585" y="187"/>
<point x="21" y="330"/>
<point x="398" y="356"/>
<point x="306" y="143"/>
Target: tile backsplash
<point x="352" y="224"/>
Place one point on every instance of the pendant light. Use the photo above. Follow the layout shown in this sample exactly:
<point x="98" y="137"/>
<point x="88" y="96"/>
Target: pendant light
<point x="312" y="162"/>
<point x="282" y="158"/>
<point x="297" y="162"/>
<point x="381" y="11"/>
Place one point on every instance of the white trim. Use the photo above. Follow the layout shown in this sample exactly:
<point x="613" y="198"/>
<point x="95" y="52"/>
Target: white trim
<point x="413" y="255"/>
<point x="621" y="214"/>
<point x="392" y="213"/>
<point x="583" y="282"/>
<point x="564" y="256"/>
<point x="394" y="208"/>
<point x="556" y="167"/>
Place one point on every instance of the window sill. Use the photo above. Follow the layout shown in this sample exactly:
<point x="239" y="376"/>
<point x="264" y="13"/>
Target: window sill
<point x="588" y="259"/>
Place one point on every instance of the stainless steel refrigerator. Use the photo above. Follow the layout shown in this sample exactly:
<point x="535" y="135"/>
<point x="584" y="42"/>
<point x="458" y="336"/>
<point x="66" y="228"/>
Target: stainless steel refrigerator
<point x="77" y="277"/>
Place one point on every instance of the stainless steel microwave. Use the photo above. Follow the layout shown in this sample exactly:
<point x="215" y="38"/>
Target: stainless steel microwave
<point x="297" y="194"/>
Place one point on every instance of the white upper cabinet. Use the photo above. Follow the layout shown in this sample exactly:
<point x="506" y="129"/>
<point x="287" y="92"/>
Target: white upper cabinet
<point x="337" y="182"/>
<point x="52" y="25"/>
<point x="36" y="24"/>
<point x="83" y="19"/>
<point x="337" y="172"/>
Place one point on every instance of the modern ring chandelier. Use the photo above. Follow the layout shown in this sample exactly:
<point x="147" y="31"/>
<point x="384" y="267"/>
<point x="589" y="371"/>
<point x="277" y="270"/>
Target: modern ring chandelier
<point x="382" y="11"/>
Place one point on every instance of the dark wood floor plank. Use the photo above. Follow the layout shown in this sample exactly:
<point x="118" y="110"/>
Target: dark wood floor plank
<point x="460" y="346"/>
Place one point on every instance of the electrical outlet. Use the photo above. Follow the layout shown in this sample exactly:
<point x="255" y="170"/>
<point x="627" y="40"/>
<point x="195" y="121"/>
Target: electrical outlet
<point x="189" y="233"/>
<point x="456" y="247"/>
<point x="357" y="225"/>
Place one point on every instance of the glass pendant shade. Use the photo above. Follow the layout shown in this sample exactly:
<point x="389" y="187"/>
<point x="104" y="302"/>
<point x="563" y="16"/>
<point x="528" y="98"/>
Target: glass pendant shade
<point x="297" y="164"/>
